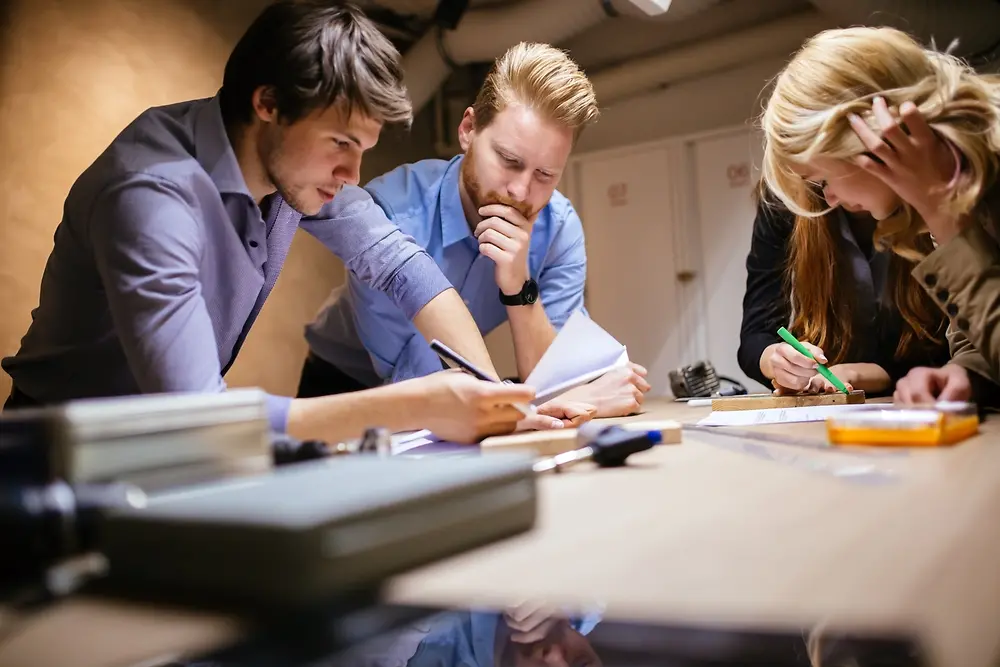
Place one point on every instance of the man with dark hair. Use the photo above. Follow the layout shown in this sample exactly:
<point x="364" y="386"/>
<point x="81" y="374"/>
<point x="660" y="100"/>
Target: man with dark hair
<point x="172" y="239"/>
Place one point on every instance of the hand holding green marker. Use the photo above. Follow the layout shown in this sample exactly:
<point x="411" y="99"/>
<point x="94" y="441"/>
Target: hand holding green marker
<point x="787" y="336"/>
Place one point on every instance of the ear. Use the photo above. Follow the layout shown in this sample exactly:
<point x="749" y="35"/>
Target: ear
<point x="265" y="104"/>
<point x="467" y="129"/>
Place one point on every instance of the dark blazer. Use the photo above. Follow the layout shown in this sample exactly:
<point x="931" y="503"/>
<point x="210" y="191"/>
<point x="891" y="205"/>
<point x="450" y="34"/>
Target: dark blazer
<point x="766" y="305"/>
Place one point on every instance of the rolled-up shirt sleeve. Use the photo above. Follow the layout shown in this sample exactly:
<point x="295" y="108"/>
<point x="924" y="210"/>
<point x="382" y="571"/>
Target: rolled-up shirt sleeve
<point x="374" y="250"/>
<point x="397" y="350"/>
<point x="147" y="248"/>
<point x="561" y="283"/>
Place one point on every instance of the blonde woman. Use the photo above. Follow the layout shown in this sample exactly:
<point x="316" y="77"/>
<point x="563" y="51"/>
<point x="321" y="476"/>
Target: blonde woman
<point x="869" y="120"/>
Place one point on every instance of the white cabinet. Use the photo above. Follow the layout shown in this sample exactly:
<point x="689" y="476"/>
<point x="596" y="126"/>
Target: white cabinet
<point x="668" y="229"/>
<point x="624" y="200"/>
<point x="726" y="169"/>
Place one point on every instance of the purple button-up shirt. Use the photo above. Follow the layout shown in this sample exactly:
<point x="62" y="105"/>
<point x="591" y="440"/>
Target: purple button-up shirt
<point x="163" y="260"/>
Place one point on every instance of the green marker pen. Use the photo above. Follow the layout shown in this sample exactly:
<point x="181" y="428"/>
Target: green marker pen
<point x="787" y="336"/>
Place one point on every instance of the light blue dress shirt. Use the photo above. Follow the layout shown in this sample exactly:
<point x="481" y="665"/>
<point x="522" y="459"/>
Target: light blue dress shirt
<point x="468" y="639"/>
<point x="163" y="261"/>
<point x="449" y="639"/>
<point x="423" y="200"/>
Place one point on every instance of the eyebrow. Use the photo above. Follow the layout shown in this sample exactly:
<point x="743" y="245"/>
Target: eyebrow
<point x="500" y="148"/>
<point x="353" y="138"/>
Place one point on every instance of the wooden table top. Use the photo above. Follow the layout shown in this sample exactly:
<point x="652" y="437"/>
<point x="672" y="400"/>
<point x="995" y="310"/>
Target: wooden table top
<point x="724" y="530"/>
<point x="715" y="530"/>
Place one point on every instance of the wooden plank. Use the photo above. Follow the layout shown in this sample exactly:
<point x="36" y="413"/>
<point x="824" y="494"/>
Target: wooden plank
<point x="764" y="401"/>
<point x="557" y="441"/>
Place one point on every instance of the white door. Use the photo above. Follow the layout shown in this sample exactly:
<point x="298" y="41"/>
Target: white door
<point x="624" y="202"/>
<point x="726" y="170"/>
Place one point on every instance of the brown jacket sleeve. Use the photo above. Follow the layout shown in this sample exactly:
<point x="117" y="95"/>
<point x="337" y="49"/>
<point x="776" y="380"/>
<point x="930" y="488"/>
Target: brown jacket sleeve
<point x="964" y="353"/>
<point x="963" y="278"/>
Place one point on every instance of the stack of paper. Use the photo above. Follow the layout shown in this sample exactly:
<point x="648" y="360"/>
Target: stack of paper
<point x="403" y="442"/>
<point x="581" y="352"/>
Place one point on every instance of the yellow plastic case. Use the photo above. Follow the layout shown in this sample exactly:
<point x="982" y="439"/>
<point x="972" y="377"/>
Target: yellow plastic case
<point x="934" y="426"/>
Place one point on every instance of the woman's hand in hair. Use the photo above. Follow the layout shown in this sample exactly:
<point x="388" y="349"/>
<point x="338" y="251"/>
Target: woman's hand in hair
<point x="919" y="165"/>
<point x="923" y="386"/>
<point x="790" y="371"/>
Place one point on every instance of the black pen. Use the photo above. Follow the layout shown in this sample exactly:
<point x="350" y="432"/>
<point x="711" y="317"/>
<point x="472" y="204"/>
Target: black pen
<point x="452" y="357"/>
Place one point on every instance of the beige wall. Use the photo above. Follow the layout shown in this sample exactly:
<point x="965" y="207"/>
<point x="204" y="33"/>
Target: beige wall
<point x="73" y="73"/>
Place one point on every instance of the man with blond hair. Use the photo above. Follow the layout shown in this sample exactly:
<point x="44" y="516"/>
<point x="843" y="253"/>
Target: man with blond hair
<point x="508" y="241"/>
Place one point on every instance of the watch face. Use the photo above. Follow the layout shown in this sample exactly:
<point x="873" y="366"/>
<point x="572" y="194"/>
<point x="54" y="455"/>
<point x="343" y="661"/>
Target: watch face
<point x="531" y="292"/>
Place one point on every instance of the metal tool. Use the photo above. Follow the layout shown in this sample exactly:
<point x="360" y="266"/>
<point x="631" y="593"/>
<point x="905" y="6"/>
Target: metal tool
<point x="376" y="441"/>
<point x="607" y="446"/>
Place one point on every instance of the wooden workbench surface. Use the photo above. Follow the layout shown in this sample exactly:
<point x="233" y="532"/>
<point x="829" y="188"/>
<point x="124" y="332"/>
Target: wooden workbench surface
<point x="721" y="529"/>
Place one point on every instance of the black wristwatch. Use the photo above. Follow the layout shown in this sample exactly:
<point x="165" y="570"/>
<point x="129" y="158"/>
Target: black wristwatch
<point x="527" y="296"/>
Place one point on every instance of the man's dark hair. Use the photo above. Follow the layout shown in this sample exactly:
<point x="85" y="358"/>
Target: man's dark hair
<point x="313" y="54"/>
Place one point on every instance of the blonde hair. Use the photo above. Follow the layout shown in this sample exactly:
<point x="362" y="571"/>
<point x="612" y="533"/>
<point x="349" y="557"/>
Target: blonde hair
<point x="540" y="77"/>
<point x="838" y="73"/>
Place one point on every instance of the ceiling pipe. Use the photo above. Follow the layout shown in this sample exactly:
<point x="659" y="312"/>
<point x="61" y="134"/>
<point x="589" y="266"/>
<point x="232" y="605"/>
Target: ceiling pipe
<point x="485" y="34"/>
<point x="640" y="75"/>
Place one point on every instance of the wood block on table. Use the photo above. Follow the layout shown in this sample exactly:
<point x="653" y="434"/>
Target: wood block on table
<point x="557" y="441"/>
<point x="764" y="401"/>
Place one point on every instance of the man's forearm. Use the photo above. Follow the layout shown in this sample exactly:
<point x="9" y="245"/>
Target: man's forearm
<point x="532" y="334"/>
<point x="345" y="416"/>
<point x="446" y="318"/>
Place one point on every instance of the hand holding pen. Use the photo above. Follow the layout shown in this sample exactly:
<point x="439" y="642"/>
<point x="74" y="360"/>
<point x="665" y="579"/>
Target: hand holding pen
<point x="798" y="367"/>
<point x="532" y="418"/>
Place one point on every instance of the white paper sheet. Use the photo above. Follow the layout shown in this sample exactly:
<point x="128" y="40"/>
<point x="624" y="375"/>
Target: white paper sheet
<point x="403" y="442"/>
<point x="816" y="413"/>
<point x="581" y="352"/>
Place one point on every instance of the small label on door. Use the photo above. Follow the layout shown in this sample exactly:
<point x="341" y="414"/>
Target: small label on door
<point x="618" y="194"/>
<point x="738" y="174"/>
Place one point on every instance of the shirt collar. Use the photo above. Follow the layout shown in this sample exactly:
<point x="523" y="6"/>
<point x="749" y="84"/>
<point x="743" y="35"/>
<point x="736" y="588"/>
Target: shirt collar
<point x="214" y="152"/>
<point x="454" y="226"/>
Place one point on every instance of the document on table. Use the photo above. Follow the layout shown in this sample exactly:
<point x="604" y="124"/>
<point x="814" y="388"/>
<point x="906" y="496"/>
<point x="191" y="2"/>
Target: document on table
<point x="403" y="442"/>
<point x="813" y="413"/>
<point x="425" y="443"/>
<point x="581" y="352"/>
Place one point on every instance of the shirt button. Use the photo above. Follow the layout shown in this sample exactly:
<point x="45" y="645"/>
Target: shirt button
<point x="930" y="280"/>
<point x="942" y="295"/>
<point x="253" y="244"/>
<point x="952" y="309"/>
